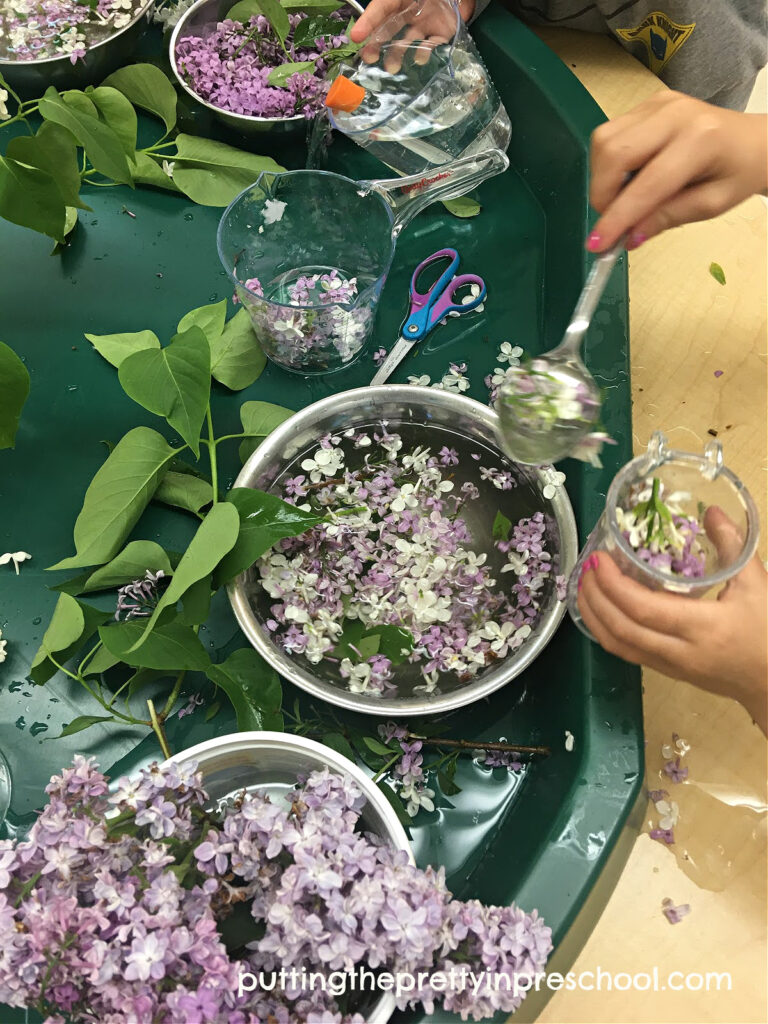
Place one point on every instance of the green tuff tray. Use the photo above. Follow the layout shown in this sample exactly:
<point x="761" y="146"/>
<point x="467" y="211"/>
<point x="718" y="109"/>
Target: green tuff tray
<point x="554" y="837"/>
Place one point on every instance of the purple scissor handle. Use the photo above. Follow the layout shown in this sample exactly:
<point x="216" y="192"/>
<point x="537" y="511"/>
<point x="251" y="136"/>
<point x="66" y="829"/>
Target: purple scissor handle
<point x="430" y="308"/>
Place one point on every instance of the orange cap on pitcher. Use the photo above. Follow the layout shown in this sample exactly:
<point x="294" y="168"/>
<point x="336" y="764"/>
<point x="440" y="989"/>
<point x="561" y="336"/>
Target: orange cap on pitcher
<point x="344" y="95"/>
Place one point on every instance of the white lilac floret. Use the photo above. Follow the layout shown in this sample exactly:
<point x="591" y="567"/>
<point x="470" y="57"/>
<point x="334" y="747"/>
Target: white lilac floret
<point x="114" y="920"/>
<point x="660" y="532"/>
<point x="397" y="552"/>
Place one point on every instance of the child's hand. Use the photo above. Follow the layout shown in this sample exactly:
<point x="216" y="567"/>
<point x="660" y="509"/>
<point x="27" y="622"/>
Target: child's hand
<point x="693" y="161"/>
<point x="430" y="23"/>
<point x="719" y="645"/>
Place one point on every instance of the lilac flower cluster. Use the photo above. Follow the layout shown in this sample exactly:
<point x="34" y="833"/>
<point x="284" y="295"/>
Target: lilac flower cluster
<point x="396" y="551"/>
<point x="408" y="773"/>
<point x="322" y="333"/>
<point x="114" y="919"/>
<point x="660" y="532"/>
<point x="229" y="67"/>
<point x="37" y="29"/>
<point x="138" y="599"/>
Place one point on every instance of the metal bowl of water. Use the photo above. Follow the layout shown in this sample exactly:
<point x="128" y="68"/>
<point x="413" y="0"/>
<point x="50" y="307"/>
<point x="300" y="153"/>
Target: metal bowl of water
<point x="269" y="763"/>
<point x="30" y="78"/>
<point x="450" y="419"/>
<point x="194" y="22"/>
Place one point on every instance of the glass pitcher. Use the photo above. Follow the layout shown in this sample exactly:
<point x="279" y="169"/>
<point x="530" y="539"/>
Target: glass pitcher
<point x="655" y="521"/>
<point x="420" y="93"/>
<point x="308" y="253"/>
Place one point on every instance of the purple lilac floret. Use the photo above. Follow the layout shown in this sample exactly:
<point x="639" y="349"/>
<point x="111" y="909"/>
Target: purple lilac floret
<point x="396" y="551"/>
<point x="675" y="771"/>
<point x="660" y="532"/>
<point x="229" y="67"/>
<point x="672" y="913"/>
<point x="139" y="598"/>
<point x="117" y="920"/>
<point x="38" y="29"/>
<point x="664" y="835"/>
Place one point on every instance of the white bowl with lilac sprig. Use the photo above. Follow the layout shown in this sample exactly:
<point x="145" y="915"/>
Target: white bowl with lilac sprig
<point x="404" y="602"/>
<point x="269" y="764"/>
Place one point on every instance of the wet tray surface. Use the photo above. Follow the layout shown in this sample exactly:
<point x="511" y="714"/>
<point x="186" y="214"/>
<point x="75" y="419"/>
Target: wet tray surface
<point x="554" y="837"/>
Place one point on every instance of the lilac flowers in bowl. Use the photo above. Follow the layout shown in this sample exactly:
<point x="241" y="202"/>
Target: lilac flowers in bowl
<point x="155" y="902"/>
<point x="66" y="43"/>
<point x="261" y="68"/>
<point x="438" y="572"/>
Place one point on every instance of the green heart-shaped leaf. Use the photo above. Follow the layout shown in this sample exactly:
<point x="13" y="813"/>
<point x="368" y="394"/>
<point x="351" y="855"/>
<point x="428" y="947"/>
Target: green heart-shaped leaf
<point x="117" y="496"/>
<point x="237" y="359"/>
<point x="117" y="347"/>
<point x="174" y="382"/>
<point x="215" y="536"/>
<point x="147" y="87"/>
<point x="173" y="647"/>
<point x="252" y="687"/>
<point x="14" y="389"/>
<point x="264" y="519"/>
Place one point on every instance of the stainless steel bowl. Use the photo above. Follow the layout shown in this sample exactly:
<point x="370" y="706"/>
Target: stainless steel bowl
<point x="465" y="419"/>
<point x="269" y="762"/>
<point x="193" y="23"/>
<point x="30" y="78"/>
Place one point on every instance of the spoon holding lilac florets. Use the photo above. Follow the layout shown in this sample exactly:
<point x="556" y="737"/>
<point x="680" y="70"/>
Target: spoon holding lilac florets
<point x="549" y="407"/>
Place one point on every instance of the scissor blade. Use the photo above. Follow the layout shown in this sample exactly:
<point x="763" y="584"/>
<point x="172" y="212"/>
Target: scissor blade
<point x="396" y="355"/>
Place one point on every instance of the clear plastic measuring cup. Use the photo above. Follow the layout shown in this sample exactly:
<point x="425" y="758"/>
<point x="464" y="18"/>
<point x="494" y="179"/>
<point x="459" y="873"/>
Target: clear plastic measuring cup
<point x="673" y="554"/>
<point x="308" y="253"/>
<point x="420" y="94"/>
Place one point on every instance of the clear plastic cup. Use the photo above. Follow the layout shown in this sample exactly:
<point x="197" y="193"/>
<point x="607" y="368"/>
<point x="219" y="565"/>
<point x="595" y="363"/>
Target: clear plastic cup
<point x="425" y="96"/>
<point x="687" y="485"/>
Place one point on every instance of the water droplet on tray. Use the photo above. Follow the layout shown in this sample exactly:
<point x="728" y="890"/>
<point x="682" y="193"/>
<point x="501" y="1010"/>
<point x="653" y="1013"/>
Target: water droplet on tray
<point x="36" y="621"/>
<point x="189" y="216"/>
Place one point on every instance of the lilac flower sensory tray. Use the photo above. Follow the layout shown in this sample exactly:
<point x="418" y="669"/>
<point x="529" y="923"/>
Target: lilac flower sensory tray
<point x="553" y="836"/>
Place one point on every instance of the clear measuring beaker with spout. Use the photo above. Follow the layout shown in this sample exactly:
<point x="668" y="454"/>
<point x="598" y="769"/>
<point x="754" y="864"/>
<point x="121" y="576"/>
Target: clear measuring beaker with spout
<point x="308" y="253"/>
<point x="418" y="94"/>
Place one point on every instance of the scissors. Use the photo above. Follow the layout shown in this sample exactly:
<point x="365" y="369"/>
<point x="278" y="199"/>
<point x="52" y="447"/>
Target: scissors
<point x="431" y="308"/>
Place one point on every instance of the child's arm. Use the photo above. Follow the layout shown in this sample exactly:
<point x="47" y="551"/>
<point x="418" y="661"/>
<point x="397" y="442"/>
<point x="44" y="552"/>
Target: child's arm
<point x="721" y="645"/>
<point x="693" y="161"/>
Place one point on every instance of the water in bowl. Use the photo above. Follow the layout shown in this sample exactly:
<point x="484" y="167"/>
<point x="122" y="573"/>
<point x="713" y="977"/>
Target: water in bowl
<point x="523" y="500"/>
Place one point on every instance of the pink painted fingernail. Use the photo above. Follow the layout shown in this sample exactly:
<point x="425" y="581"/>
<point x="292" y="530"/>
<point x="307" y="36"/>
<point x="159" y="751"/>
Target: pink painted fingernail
<point x="593" y="560"/>
<point x="636" y="240"/>
<point x="578" y="585"/>
<point x="593" y="241"/>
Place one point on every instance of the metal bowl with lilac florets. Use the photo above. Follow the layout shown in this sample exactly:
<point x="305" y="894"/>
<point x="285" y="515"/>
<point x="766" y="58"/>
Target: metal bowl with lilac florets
<point x="256" y="76"/>
<point x="435" y="572"/>
<point x="67" y="43"/>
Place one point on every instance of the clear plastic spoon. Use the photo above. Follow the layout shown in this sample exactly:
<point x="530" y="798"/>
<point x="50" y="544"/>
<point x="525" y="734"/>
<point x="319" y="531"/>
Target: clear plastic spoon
<point x="549" y="407"/>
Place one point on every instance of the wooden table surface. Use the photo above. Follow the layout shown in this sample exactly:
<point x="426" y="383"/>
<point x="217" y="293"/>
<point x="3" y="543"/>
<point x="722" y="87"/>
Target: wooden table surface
<point x="684" y="326"/>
